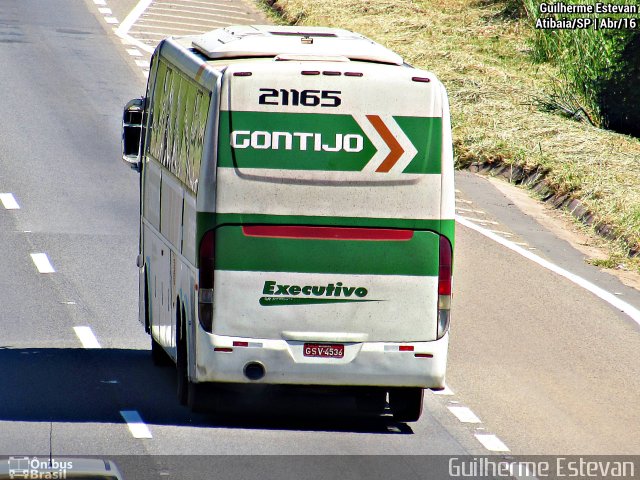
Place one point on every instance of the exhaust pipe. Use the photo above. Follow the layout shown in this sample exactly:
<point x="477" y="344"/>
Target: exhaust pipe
<point x="254" y="371"/>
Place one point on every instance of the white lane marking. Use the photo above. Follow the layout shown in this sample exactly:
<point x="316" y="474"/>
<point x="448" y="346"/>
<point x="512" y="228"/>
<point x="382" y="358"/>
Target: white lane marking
<point x="111" y="20"/>
<point x="134" y="41"/>
<point x="445" y="391"/>
<point x="470" y="210"/>
<point x="207" y="5"/>
<point x="99" y="2"/>
<point x="9" y="201"/>
<point x="133" y="16"/>
<point x="168" y="31"/>
<point x="500" y="232"/>
<point x="464" y="414"/>
<point x="479" y="220"/>
<point x="142" y="63"/>
<point x="491" y="442"/>
<point x="136" y="426"/>
<point x="198" y="15"/>
<point x="105" y="11"/>
<point x="468" y="202"/>
<point x="86" y="337"/>
<point x="165" y="7"/>
<point x="611" y="299"/>
<point x="134" y="52"/>
<point x="42" y="263"/>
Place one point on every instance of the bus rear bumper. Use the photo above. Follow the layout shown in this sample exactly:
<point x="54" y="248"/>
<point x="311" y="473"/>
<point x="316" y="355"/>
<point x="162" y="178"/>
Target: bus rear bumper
<point x="226" y="359"/>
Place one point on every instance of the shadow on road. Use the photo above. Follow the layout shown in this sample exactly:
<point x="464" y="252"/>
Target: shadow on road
<point x="79" y="385"/>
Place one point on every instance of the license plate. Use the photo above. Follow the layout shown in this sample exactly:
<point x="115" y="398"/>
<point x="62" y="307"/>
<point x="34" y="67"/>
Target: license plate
<point x="327" y="350"/>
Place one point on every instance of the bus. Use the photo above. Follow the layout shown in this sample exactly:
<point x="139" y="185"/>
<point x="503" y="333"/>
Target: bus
<point x="296" y="214"/>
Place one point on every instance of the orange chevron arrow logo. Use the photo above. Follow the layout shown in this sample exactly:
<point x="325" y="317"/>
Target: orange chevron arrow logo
<point x="396" y="150"/>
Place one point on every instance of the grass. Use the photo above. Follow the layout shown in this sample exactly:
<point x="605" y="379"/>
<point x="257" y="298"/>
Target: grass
<point x="481" y="51"/>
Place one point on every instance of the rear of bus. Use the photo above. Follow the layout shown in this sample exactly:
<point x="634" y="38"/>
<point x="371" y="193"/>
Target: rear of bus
<point x="326" y="257"/>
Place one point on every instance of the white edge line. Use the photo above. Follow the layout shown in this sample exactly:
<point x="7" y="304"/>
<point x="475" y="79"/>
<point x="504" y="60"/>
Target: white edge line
<point x="133" y="16"/>
<point x="611" y="299"/>
<point x="491" y="442"/>
<point x="42" y="263"/>
<point x="136" y="426"/>
<point x="86" y="337"/>
<point x="9" y="201"/>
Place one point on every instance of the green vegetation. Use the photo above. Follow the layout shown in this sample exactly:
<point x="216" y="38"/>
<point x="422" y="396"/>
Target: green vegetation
<point x="600" y="69"/>
<point x="484" y="52"/>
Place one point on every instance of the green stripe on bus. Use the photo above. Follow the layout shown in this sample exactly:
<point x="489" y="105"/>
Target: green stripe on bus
<point x="417" y="257"/>
<point x="327" y="142"/>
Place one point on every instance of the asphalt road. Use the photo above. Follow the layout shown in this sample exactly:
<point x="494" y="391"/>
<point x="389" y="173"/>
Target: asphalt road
<point x="545" y="366"/>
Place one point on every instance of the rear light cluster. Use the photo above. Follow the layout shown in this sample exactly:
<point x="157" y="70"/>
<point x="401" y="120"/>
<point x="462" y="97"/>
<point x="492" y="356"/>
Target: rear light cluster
<point x="406" y="348"/>
<point x="444" y="286"/>
<point x="205" y="281"/>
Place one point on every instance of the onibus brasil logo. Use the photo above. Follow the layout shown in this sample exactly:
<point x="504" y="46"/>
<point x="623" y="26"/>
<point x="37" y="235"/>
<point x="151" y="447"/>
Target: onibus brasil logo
<point x="283" y="294"/>
<point x="25" y="467"/>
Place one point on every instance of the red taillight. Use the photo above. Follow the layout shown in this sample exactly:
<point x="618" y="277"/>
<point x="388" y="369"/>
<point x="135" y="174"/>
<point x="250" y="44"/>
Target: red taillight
<point x="327" y="233"/>
<point x="205" y="280"/>
<point x="406" y="348"/>
<point x="444" y="287"/>
<point x="444" y="270"/>
<point x="237" y="343"/>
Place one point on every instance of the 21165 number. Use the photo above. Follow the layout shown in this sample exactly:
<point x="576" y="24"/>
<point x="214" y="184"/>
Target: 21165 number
<point x="305" y="98"/>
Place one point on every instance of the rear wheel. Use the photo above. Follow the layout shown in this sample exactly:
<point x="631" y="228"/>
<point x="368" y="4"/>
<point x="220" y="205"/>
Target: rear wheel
<point x="406" y="404"/>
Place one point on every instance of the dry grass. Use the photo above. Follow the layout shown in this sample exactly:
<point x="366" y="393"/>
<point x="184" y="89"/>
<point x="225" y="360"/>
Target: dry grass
<point x="483" y="58"/>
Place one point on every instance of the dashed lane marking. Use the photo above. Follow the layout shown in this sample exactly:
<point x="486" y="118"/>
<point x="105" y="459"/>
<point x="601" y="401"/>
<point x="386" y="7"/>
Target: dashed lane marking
<point x="42" y="263"/>
<point x="9" y="201"/>
<point x="491" y="442"/>
<point x="86" y="337"/>
<point x="464" y="414"/>
<point x="137" y="427"/>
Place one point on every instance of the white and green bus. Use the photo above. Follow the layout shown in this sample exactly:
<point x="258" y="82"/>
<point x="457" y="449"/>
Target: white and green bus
<point x="297" y="213"/>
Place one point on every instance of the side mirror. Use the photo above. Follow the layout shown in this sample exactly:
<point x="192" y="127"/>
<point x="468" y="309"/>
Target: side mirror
<point x="132" y="132"/>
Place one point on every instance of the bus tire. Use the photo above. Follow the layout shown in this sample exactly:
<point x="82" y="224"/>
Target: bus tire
<point x="182" y="365"/>
<point x="406" y="403"/>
